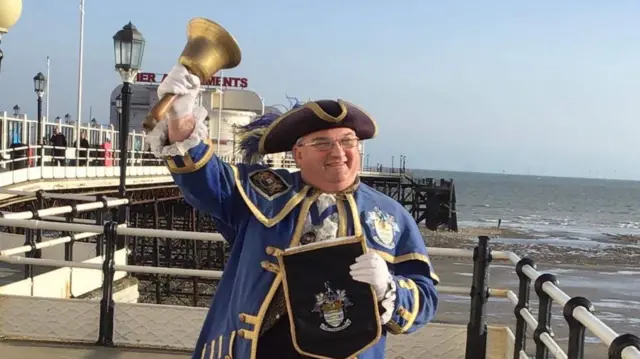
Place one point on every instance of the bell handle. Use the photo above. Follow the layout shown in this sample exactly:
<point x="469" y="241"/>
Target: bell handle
<point x="158" y="111"/>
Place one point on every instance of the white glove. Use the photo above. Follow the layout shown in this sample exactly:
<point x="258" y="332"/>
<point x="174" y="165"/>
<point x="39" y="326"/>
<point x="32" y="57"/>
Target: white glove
<point x="370" y="268"/>
<point x="183" y="84"/>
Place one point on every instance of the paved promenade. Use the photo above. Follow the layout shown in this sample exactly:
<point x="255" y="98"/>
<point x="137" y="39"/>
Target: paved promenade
<point x="21" y="350"/>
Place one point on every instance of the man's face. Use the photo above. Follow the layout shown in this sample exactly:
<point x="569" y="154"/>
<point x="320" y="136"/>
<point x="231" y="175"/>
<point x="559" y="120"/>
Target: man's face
<point x="329" y="160"/>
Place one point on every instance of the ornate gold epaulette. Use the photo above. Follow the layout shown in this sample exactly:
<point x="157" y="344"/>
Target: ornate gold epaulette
<point x="268" y="183"/>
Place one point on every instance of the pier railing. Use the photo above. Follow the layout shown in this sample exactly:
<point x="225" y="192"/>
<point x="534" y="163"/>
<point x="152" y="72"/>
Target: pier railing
<point x="577" y="311"/>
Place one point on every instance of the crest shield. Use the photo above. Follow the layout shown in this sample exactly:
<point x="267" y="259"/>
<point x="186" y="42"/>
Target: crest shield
<point x="331" y="315"/>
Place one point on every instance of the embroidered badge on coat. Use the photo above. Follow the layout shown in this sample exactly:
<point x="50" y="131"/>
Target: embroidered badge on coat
<point x="383" y="227"/>
<point x="268" y="183"/>
<point x="332" y="308"/>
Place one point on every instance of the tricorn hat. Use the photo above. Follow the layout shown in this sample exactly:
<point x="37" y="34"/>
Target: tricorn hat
<point x="279" y="132"/>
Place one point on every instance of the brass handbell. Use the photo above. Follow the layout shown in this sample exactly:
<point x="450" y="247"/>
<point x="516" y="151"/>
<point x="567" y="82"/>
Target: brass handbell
<point x="209" y="48"/>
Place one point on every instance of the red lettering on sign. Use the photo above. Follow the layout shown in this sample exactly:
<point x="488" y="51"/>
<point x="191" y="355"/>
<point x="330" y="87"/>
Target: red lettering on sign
<point x="146" y="77"/>
<point x="217" y="81"/>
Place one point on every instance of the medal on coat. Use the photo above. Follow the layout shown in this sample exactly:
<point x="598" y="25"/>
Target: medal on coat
<point x="331" y="315"/>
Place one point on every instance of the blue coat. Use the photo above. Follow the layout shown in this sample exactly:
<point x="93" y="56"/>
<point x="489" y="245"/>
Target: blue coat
<point x="260" y="212"/>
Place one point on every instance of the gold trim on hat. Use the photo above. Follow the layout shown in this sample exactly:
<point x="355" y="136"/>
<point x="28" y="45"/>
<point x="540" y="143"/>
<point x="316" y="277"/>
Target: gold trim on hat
<point x="320" y="113"/>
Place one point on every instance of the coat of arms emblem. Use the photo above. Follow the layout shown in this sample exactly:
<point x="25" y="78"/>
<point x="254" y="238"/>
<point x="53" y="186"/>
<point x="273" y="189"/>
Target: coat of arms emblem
<point x="383" y="227"/>
<point x="332" y="306"/>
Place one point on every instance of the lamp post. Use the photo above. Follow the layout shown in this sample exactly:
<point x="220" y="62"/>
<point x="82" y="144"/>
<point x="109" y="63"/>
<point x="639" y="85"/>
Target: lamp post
<point x="16" y="111"/>
<point x="39" y="86"/>
<point x="128" y="46"/>
<point x="67" y="119"/>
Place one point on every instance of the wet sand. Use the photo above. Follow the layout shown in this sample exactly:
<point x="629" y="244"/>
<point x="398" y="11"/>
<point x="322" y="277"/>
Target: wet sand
<point x="603" y="250"/>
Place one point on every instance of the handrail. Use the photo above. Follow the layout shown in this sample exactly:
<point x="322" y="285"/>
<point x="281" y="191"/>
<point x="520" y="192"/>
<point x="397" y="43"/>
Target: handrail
<point x="138" y="232"/>
<point x="82" y="207"/>
<point x="578" y="315"/>
<point x="47" y="244"/>
<point x="69" y="196"/>
<point x="118" y="267"/>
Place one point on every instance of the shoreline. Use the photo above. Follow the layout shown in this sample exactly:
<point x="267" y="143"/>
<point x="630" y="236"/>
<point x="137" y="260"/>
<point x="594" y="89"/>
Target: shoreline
<point x="524" y="245"/>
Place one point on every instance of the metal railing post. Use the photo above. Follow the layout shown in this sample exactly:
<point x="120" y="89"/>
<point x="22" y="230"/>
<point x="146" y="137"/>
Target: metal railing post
<point x="575" y="349"/>
<point x="107" y="305"/>
<point x="544" y="314"/>
<point x="524" y="293"/>
<point x="68" y="247"/>
<point x="100" y="221"/>
<point x="29" y="240"/>
<point x="41" y="205"/>
<point x="620" y="343"/>
<point x="477" y="327"/>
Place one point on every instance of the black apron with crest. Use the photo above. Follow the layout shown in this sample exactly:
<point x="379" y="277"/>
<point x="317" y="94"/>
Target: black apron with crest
<point x="331" y="315"/>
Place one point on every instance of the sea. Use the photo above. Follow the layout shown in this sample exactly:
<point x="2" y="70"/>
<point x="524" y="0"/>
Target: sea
<point x="569" y="208"/>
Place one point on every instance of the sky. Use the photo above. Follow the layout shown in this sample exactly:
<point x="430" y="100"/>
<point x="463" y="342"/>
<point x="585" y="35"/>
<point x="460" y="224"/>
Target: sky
<point x="525" y="87"/>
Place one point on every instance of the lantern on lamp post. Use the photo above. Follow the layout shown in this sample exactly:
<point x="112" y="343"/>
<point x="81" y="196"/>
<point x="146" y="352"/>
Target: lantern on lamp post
<point x="16" y="111"/>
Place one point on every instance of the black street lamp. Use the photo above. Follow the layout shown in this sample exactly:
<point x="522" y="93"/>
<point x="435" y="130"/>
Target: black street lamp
<point x="16" y="111"/>
<point x="67" y="119"/>
<point x="39" y="86"/>
<point x="128" y="45"/>
<point x="94" y="122"/>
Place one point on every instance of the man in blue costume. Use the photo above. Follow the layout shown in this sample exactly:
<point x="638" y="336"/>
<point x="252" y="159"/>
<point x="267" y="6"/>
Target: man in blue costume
<point x="262" y="211"/>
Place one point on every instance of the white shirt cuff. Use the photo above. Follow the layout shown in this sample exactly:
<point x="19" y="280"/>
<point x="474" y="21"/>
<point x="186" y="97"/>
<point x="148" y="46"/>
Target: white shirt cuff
<point x="157" y="138"/>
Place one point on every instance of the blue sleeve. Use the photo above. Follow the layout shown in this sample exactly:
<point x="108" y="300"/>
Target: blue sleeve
<point x="416" y="298"/>
<point x="209" y="185"/>
<point x="414" y="279"/>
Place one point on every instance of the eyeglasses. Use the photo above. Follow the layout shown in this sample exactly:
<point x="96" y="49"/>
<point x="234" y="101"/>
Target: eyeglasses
<point x="326" y="144"/>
